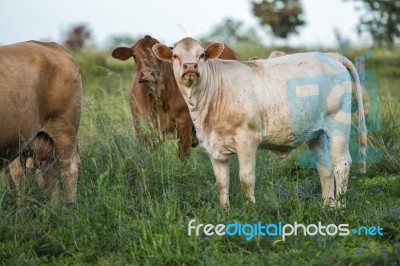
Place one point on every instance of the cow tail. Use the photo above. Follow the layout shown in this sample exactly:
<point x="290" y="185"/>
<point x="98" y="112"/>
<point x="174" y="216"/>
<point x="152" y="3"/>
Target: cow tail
<point x="362" y="129"/>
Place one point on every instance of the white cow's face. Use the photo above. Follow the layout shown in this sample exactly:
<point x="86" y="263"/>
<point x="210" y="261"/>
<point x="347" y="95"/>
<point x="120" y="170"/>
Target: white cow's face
<point x="188" y="58"/>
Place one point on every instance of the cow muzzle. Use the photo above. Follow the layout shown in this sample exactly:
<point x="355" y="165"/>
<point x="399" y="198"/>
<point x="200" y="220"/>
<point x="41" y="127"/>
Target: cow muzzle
<point x="190" y="71"/>
<point x="146" y="76"/>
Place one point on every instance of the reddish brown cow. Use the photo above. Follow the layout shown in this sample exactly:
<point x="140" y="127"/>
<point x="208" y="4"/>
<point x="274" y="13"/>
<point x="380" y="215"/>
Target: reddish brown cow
<point x="154" y="93"/>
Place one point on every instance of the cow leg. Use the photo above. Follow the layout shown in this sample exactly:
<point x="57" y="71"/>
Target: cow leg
<point x="185" y="140"/>
<point x="320" y="152"/>
<point x="247" y="163"/>
<point x="339" y="146"/>
<point x="16" y="171"/>
<point x="67" y="155"/>
<point x="221" y="171"/>
<point x="71" y="177"/>
<point x="38" y="171"/>
<point x="70" y="167"/>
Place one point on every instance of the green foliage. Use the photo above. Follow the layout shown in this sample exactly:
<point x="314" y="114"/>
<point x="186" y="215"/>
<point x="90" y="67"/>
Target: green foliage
<point x="134" y="202"/>
<point x="125" y="40"/>
<point x="284" y="17"/>
<point x="381" y="20"/>
<point x="248" y="50"/>
<point x="232" y="31"/>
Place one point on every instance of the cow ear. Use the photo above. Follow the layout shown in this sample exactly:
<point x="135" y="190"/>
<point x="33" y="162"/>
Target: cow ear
<point x="214" y="50"/>
<point x="122" y="53"/>
<point x="162" y="52"/>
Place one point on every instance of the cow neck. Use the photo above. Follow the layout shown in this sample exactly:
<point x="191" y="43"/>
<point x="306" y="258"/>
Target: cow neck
<point x="163" y="87"/>
<point x="201" y="93"/>
<point x="171" y="87"/>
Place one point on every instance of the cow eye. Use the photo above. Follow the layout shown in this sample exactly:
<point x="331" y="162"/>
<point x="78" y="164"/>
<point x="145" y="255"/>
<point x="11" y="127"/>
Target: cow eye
<point x="202" y="55"/>
<point x="176" y="56"/>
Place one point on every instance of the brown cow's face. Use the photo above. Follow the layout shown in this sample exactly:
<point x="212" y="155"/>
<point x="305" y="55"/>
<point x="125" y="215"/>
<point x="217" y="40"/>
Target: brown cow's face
<point x="146" y="62"/>
<point x="188" y="58"/>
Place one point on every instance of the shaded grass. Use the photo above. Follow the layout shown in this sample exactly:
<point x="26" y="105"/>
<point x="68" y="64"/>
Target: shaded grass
<point x="134" y="205"/>
<point x="133" y="208"/>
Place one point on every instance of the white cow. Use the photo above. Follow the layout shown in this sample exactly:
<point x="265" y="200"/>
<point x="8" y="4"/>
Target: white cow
<point x="276" y="104"/>
<point x="275" y="54"/>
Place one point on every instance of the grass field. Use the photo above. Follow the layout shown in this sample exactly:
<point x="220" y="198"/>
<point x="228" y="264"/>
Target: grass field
<point x="134" y="203"/>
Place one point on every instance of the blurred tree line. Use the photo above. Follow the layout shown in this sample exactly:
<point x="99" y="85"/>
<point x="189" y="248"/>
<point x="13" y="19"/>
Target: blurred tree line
<point x="282" y="18"/>
<point x="232" y="31"/>
<point x="278" y="18"/>
<point x="381" y="20"/>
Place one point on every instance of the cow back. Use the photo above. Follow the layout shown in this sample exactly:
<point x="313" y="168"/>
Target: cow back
<point x="40" y="82"/>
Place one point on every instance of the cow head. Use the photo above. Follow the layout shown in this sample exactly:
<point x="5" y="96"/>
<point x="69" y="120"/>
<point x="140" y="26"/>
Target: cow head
<point x="146" y="63"/>
<point x="188" y="57"/>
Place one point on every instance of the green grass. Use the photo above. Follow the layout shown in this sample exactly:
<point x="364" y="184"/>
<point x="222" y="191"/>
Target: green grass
<point x="134" y="203"/>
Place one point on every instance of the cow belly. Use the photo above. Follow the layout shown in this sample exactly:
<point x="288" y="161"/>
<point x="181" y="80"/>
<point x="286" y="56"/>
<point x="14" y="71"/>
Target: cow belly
<point x="281" y="151"/>
<point x="11" y="144"/>
<point x="293" y="125"/>
<point x="19" y="120"/>
<point x="281" y="154"/>
<point x="8" y="153"/>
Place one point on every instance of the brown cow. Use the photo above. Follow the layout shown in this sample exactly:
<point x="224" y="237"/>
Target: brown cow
<point x="40" y="109"/>
<point x="154" y="93"/>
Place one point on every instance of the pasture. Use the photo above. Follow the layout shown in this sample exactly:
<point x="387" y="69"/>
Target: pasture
<point x="134" y="203"/>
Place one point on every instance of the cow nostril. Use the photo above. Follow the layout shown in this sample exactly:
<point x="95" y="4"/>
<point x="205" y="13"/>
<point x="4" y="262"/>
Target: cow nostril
<point x="147" y="73"/>
<point x="195" y="66"/>
<point x="185" y="66"/>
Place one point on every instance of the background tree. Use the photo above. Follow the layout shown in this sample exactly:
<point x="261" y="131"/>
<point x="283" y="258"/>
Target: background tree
<point x="77" y="37"/>
<point x="232" y="31"/>
<point x="284" y="17"/>
<point x="381" y="20"/>
<point x="117" y="40"/>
